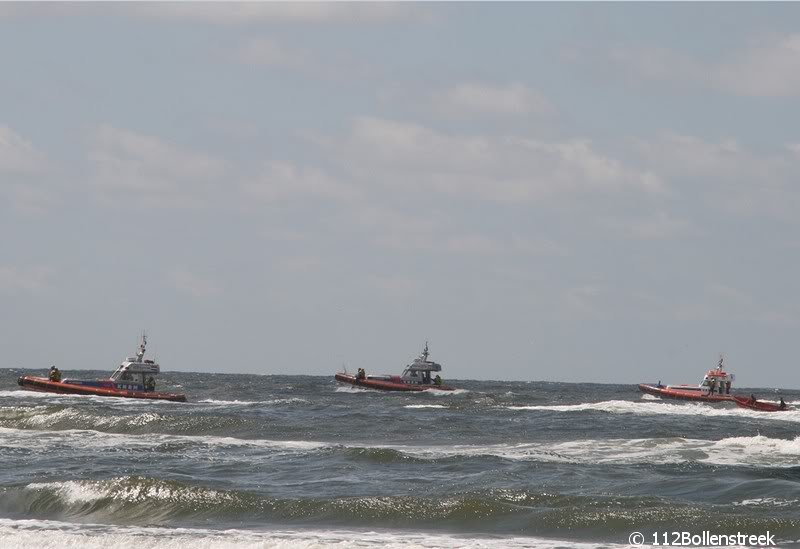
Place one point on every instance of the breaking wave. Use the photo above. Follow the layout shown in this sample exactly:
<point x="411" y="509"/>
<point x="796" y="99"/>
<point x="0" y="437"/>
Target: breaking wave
<point x="146" y="501"/>
<point x="753" y="451"/>
<point x="48" y="534"/>
<point x="135" y="420"/>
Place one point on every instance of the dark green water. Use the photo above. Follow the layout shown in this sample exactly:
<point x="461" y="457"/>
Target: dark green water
<point x="300" y="461"/>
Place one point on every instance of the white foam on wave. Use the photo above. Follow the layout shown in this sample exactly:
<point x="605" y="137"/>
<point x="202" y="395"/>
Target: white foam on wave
<point x="350" y="389"/>
<point x="660" y="407"/>
<point x="425" y="406"/>
<point x="45" y="534"/>
<point x="271" y="402"/>
<point x="90" y="491"/>
<point x="96" y="440"/>
<point x="23" y="393"/>
<point x="454" y="392"/>
<point x="755" y="451"/>
<point x="224" y="402"/>
<point x="767" y="502"/>
<point x="37" y="417"/>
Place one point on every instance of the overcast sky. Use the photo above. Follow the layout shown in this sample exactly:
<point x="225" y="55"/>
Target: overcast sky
<point x="566" y="192"/>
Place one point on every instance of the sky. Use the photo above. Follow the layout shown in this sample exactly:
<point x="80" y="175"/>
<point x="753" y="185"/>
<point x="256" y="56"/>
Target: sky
<point x="555" y="191"/>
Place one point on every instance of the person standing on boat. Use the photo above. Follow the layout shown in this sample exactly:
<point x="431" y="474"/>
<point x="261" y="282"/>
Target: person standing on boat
<point x="55" y="374"/>
<point x="150" y="385"/>
<point x="712" y="386"/>
<point x="782" y="404"/>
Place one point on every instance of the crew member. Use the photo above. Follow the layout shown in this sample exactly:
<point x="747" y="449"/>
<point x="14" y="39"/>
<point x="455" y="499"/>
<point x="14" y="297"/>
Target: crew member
<point x="150" y="384"/>
<point x="782" y="405"/>
<point x="55" y="374"/>
<point x="437" y="380"/>
<point x="361" y="374"/>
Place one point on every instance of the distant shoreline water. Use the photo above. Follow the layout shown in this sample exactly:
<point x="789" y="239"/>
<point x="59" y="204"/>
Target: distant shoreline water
<point x="301" y="461"/>
<point x="90" y="373"/>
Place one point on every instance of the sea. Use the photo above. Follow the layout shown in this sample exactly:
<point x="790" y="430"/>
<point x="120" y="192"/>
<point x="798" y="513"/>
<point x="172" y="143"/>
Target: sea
<point x="303" y="461"/>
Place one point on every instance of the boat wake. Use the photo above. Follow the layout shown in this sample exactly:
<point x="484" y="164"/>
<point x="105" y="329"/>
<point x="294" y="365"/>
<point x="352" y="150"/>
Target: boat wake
<point x="647" y="407"/>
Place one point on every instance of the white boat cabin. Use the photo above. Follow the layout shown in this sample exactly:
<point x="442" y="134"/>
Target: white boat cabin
<point x="715" y="382"/>
<point x="420" y="370"/>
<point x="136" y="373"/>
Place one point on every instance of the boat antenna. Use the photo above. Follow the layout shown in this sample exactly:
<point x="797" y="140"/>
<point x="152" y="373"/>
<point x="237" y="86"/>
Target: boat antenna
<point x="425" y="352"/>
<point x="140" y="354"/>
<point x="719" y="366"/>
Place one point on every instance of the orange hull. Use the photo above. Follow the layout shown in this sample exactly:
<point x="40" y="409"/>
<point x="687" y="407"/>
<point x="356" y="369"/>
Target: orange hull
<point x="45" y="385"/>
<point x="384" y="385"/>
<point x="760" y="405"/>
<point x="683" y="394"/>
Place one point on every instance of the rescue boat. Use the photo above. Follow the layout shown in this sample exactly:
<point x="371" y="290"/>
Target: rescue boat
<point x="415" y="377"/>
<point x="715" y="387"/>
<point x="135" y="378"/>
<point x="760" y="405"/>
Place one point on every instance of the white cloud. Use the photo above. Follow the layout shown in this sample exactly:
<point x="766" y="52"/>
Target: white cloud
<point x="150" y="169"/>
<point x="17" y="154"/>
<point x="394" y="286"/>
<point x="192" y="284"/>
<point x="15" y="279"/>
<point x="21" y="168"/>
<point x="732" y="296"/>
<point x="680" y="155"/>
<point x="661" y="225"/>
<point x="282" y="181"/>
<point x="477" y="98"/>
<point x="584" y="300"/>
<point x="301" y="264"/>
<point x="481" y="244"/>
<point x="768" y="67"/>
<point x="657" y="64"/>
<point x="230" y="13"/>
<point x="30" y="199"/>
<point x="439" y="233"/>
<point x="412" y="156"/>
<point x="728" y="175"/>
<point x="267" y="52"/>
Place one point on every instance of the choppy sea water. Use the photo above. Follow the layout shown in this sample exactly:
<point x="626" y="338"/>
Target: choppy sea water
<point x="301" y="461"/>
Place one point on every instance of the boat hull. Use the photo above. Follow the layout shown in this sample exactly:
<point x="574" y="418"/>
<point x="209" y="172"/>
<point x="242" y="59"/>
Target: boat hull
<point x="384" y="385"/>
<point x="759" y="405"/>
<point x="683" y="394"/>
<point x="42" y="384"/>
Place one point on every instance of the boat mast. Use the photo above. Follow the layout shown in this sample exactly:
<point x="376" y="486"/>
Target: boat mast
<point x="425" y="353"/>
<point x="142" y="345"/>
